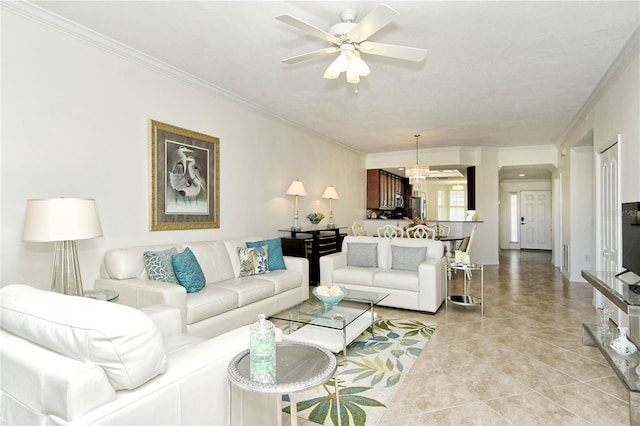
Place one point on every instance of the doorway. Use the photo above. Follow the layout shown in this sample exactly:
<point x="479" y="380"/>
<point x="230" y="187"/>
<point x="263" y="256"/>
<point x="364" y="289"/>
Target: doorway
<point x="535" y="220"/>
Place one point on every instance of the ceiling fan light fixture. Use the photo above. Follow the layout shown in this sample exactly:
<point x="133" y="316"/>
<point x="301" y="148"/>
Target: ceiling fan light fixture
<point x="339" y="65"/>
<point x="359" y="66"/>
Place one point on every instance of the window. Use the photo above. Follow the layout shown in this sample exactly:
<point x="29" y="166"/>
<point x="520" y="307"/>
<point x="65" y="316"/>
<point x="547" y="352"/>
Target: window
<point x="513" y="217"/>
<point x="456" y="205"/>
<point x="442" y="212"/>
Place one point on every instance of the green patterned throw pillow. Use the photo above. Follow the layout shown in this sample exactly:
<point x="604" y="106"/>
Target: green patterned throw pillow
<point x="253" y="260"/>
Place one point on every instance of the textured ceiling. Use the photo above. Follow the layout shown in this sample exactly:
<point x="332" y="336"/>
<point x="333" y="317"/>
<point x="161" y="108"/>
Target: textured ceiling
<point x="497" y="73"/>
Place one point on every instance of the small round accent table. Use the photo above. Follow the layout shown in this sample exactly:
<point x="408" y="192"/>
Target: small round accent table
<point x="299" y="366"/>
<point x="465" y="299"/>
<point x="108" y="295"/>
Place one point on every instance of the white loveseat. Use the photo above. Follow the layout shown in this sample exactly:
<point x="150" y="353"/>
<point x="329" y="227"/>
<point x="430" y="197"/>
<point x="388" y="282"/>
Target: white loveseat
<point x="74" y="360"/>
<point x="227" y="301"/>
<point x="387" y="265"/>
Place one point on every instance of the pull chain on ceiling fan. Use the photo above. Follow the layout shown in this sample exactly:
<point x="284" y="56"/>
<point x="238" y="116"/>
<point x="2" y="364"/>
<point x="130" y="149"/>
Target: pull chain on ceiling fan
<point x="350" y="39"/>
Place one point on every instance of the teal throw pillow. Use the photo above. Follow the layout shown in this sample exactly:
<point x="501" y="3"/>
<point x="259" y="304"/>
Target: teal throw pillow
<point x="276" y="259"/>
<point x="159" y="265"/>
<point x="188" y="271"/>
<point x="253" y="261"/>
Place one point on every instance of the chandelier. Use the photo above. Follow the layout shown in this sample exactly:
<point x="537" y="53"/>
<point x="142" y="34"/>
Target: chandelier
<point x="417" y="173"/>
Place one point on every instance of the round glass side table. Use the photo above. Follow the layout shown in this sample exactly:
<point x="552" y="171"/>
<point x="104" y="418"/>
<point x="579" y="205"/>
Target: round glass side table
<point x="299" y="366"/>
<point x="107" y="295"/>
<point x="465" y="299"/>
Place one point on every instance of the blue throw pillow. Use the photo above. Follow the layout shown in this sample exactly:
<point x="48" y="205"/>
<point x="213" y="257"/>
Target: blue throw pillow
<point x="188" y="271"/>
<point x="276" y="259"/>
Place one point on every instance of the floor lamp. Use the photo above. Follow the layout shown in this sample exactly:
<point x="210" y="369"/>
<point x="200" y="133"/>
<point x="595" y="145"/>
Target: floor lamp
<point x="331" y="194"/>
<point x="63" y="220"/>
<point x="296" y="188"/>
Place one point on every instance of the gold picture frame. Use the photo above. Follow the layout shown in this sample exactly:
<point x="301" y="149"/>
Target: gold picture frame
<point x="185" y="178"/>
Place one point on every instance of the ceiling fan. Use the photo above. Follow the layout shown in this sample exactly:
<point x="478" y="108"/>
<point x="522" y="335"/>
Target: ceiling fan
<point x="350" y="39"/>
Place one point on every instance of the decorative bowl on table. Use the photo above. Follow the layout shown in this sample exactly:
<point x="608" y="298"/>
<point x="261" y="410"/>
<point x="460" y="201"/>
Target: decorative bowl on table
<point x="315" y="218"/>
<point x="330" y="296"/>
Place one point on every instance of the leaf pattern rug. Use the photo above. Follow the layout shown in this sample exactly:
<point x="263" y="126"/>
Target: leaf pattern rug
<point x="368" y="377"/>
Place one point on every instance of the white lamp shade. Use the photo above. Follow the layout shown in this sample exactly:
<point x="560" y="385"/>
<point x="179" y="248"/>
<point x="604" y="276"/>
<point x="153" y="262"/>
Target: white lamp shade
<point x="297" y="188"/>
<point x="330" y="193"/>
<point x="61" y="219"/>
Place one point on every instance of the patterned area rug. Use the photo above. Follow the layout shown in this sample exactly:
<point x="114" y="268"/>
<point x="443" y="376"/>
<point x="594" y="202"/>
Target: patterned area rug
<point x="369" y="376"/>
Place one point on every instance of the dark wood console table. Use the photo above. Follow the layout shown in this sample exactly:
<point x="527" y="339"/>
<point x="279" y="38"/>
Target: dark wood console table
<point x="312" y="243"/>
<point x="627" y="367"/>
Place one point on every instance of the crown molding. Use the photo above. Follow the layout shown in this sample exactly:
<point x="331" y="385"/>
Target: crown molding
<point x="63" y="25"/>
<point x="628" y="52"/>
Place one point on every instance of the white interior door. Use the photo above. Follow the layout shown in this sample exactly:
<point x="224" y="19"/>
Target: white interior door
<point x="610" y="228"/>
<point x="609" y="238"/>
<point x="535" y="220"/>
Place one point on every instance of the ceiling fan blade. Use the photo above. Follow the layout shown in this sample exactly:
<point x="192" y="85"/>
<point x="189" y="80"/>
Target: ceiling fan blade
<point x="310" y="55"/>
<point x="308" y="28"/>
<point x="374" y="21"/>
<point x="413" y="54"/>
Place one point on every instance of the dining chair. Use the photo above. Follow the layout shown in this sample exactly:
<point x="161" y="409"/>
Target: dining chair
<point x="443" y="230"/>
<point x="420" y="231"/>
<point x="390" y="231"/>
<point x="465" y="246"/>
<point x="358" y="229"/>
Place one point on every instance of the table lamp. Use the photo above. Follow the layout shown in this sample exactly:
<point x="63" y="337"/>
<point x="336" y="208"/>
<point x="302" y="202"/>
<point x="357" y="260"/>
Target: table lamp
<point x="296" y="188"/>
<point x="63" y="220"/>
<point x="331" y="194"/>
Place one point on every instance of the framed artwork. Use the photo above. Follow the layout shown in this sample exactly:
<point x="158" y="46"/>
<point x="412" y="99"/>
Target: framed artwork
<point x="185" y="178"/>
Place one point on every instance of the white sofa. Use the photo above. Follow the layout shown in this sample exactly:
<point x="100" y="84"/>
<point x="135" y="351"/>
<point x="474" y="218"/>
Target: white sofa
<point x="391" y="271"/>
<point x="226" y="302"/>
<point x="74" y="360"/>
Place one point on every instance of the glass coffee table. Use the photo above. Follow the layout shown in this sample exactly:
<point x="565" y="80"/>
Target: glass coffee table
<point x="331" y="327"/>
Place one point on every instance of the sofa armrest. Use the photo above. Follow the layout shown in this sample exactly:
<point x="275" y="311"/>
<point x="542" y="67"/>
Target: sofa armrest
<point x="166" y="318"/>
<point x="139" y="292"/>
<point x="432" y="275"/>
<point x="300" y="264"/>
<point x="330" y="263"/>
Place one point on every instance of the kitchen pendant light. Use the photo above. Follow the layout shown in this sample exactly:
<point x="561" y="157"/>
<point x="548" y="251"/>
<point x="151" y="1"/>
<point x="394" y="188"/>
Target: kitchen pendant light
<point x="417" y="173"/>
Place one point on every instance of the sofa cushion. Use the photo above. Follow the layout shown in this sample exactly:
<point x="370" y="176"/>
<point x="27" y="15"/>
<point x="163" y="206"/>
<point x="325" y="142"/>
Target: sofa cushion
<point x="125" y="263"/>
<point x="397" y="279"/>
<point x="407" y="258"/>
<point x="121" y="340"/>
<point x="210" y="301"/>
<point x="188" y="271"/>
<point x="276" y="258"/>
<point x="362" y="254"/>
<point x="159" y="266"/>
<point x="214" y="260"/>
<point x="355" y="275"/>
<point x="249" y="289"/>
<point x="283" y="279"/>
<point x="253" y="260"/>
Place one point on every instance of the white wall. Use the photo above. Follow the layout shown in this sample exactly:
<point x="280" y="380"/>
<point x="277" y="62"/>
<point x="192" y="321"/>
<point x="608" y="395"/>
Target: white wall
<point x="615" y="110"/>
<point x="75" y="123"/>
<point x="582" y="212"/>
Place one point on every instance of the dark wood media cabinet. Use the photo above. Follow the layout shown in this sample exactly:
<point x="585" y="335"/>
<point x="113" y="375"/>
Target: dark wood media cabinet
<point x="312" y="244"/>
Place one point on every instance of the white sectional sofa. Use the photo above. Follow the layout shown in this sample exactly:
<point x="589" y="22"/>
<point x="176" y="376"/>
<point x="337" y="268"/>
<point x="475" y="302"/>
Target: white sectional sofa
<point x="74" y="360"/>
<point x="414" y="279"/>
<point x="225" y="303"/>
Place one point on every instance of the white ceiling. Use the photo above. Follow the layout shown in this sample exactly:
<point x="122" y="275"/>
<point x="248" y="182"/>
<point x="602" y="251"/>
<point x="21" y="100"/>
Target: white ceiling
<point x="497" y="73"/>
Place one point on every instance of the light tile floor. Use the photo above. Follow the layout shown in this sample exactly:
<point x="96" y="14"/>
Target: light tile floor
<point x="523" y="363"/>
